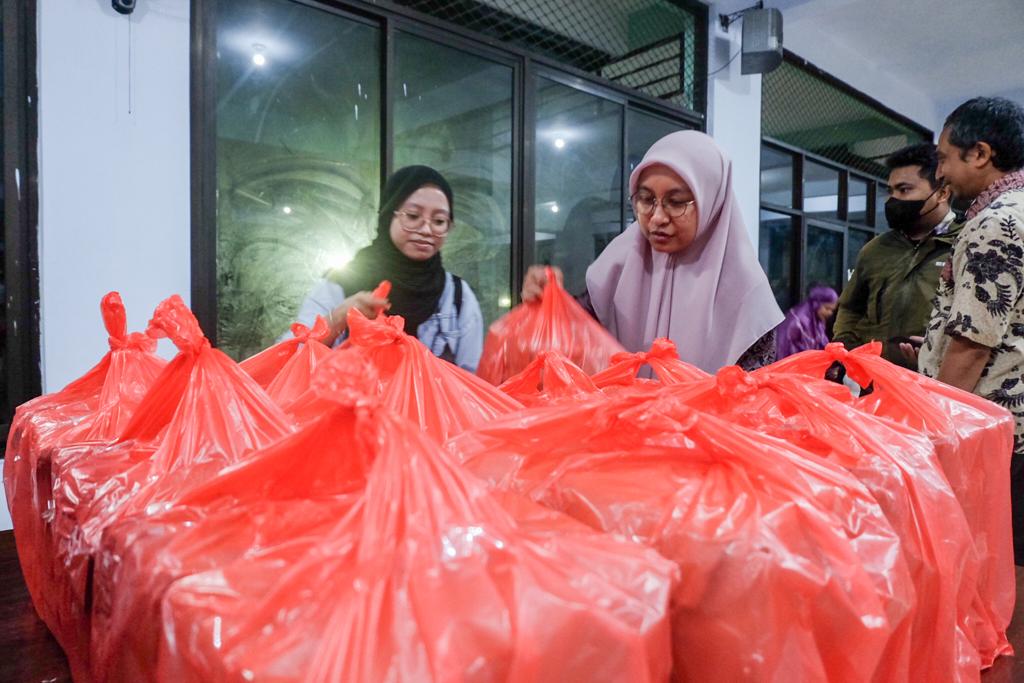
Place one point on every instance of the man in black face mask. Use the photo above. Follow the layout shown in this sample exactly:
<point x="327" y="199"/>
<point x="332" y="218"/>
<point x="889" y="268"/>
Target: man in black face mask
<point x="889" y="296"/>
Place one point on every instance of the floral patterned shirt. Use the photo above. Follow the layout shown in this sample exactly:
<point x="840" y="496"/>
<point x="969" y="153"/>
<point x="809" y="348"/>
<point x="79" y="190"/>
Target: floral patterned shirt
<point x="981" y="298"/>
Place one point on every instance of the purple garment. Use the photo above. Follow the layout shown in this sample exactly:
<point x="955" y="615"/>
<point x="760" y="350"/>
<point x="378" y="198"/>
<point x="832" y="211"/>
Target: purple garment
<point x="803" y="330"/>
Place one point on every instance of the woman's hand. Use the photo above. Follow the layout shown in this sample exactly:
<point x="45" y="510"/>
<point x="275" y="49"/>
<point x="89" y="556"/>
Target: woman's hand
<point x="364" y="302"/>
<point x="535" y="281"/>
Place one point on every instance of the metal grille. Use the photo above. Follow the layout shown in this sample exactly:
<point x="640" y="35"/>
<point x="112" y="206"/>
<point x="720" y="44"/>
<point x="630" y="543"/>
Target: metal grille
<point x="807" y="111"/>
<point x="648" y="45"/>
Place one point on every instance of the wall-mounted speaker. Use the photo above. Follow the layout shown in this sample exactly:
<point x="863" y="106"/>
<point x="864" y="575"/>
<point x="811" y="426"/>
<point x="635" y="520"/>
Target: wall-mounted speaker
<point x="123" y="6"/>
<point x="762" y="41"/>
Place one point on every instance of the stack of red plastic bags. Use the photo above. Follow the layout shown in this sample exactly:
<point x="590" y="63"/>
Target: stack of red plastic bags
<point x="789" y="569"/>
<point x="973" y="440"/>
<point x="90" y="410"/>
<point x="296" y="517"/>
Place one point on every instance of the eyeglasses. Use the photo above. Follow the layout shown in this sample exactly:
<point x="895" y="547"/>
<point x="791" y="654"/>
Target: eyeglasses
<point x="412" y="221"/>
<point x="646" y="204"/>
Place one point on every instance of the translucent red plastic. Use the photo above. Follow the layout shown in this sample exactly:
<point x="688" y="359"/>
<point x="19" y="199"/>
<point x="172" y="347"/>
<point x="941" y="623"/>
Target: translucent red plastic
<point x="789" y="569"/>
<point x="973" y="439"/>
<point x="93" y="408"/>
<point x="900" y="470"/>
<point x="426" y="577"/>
<point x="554" y="323"/>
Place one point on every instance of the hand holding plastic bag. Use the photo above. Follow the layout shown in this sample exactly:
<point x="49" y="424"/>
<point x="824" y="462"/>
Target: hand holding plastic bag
<point x="555" y="323"/>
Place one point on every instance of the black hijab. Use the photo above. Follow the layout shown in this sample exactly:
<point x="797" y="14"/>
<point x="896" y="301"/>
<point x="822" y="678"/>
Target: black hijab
<point x="416" y="286"/>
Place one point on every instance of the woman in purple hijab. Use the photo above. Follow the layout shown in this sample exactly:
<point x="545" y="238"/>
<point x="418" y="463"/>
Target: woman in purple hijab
<point x="685" y="269"/>
<point x="804" y="326"/>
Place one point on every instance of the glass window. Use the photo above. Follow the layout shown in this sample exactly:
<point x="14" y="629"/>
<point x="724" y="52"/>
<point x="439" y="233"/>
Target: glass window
<point x="578" y="188"/>
<point x="642" y="131"/>
<point x="298" y="159"/>
<point x="821" y="190"/>
<point x="881" y="195"/>
<point x="855" y="241"/>
<point x="778" y="247"/>
<point x="857" y="201"/>
<point x="824" y="258"/>
<point x="453" y="111"/>
<point x="776" y="177"/>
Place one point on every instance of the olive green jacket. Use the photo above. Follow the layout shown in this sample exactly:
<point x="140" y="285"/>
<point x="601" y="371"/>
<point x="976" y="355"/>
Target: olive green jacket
<point x="892" y="288"/>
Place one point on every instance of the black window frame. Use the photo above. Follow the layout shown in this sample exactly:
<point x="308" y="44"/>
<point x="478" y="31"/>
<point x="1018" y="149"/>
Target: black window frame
<point x="21" y="205"/>
<point x="840" y="224"/>
<point x="391" y="18"/>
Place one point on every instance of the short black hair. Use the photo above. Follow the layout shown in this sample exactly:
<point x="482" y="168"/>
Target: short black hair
<point x="921" y="154"/>
<point x="994" y="120"/>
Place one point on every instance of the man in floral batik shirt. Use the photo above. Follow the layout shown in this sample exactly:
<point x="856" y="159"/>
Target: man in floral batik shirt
<point x="975" y="340"/>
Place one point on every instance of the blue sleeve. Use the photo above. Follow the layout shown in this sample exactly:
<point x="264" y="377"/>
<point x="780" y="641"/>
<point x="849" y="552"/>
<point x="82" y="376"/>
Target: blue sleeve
<point x="321" y="300"/>
<point x="471" y="331"/>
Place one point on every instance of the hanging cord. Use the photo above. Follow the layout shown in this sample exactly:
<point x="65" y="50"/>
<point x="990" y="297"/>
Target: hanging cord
<point x="731" y="60"/>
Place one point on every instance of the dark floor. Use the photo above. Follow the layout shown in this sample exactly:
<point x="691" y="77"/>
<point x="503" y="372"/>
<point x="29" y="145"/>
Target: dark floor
<point x="31" y="655"/>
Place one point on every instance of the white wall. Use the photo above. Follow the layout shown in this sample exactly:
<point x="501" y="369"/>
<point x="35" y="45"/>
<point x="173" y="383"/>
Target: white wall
<point x="734" y="117"/>
<point x="113" y="170"/>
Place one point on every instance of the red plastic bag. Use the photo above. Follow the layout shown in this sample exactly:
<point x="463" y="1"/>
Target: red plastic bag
<point x="973" y="439"/>
<point x="429" y="579"/>
<point x="789" y="570"/>
<point x="286" y="368"/>
<point x="900" y="469"/>
<point x="202" y="413"/>
<point x="298" y="487"/>
<point x="555" y="323"/>
<point x="93" y="408"/>
<point x="442" y="398"/>
<point x="549" y="378"/>
<point x="663" y="360"/>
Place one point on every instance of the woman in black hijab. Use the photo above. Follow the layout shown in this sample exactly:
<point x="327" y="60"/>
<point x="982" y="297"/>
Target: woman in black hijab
<point x="439" y="308"/>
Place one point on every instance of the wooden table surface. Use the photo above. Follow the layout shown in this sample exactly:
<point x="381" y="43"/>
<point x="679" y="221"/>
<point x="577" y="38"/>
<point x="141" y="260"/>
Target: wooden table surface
<point x="31" y="655"/>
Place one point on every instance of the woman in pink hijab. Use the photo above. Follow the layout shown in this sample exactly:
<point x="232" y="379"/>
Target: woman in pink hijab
<point x="685" y="269"/>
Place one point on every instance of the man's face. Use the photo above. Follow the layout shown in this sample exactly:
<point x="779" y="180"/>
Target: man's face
<point x="954" y="169"/>
<point x="906" y="182"/>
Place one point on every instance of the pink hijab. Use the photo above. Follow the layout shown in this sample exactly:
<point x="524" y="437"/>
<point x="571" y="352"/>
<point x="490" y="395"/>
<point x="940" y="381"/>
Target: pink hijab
<point x="712" y="299"/>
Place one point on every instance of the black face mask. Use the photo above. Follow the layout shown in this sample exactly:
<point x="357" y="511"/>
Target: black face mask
<point x="904" y="215"/>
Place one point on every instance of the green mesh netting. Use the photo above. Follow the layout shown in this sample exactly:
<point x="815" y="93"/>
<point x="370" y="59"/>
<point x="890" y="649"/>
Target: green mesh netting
<point x="647" y="45"/>
<point x="805" y="110"/>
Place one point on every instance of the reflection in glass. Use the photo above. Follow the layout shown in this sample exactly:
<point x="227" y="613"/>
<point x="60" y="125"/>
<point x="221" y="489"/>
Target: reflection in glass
<point x="881" y="195"/>
<point x="453" y="111"/>
<point x="857" y="202"/>
<point x="777" y="246"/>
<point x="855" y="241"/>
<point x="578" y="178"/>
<point x="776" y="177"/>
<point x="824" y="260"/>
<point x="298" y="166"/>
<point x="642" y="131"/>
<point x="821" y="190"/>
